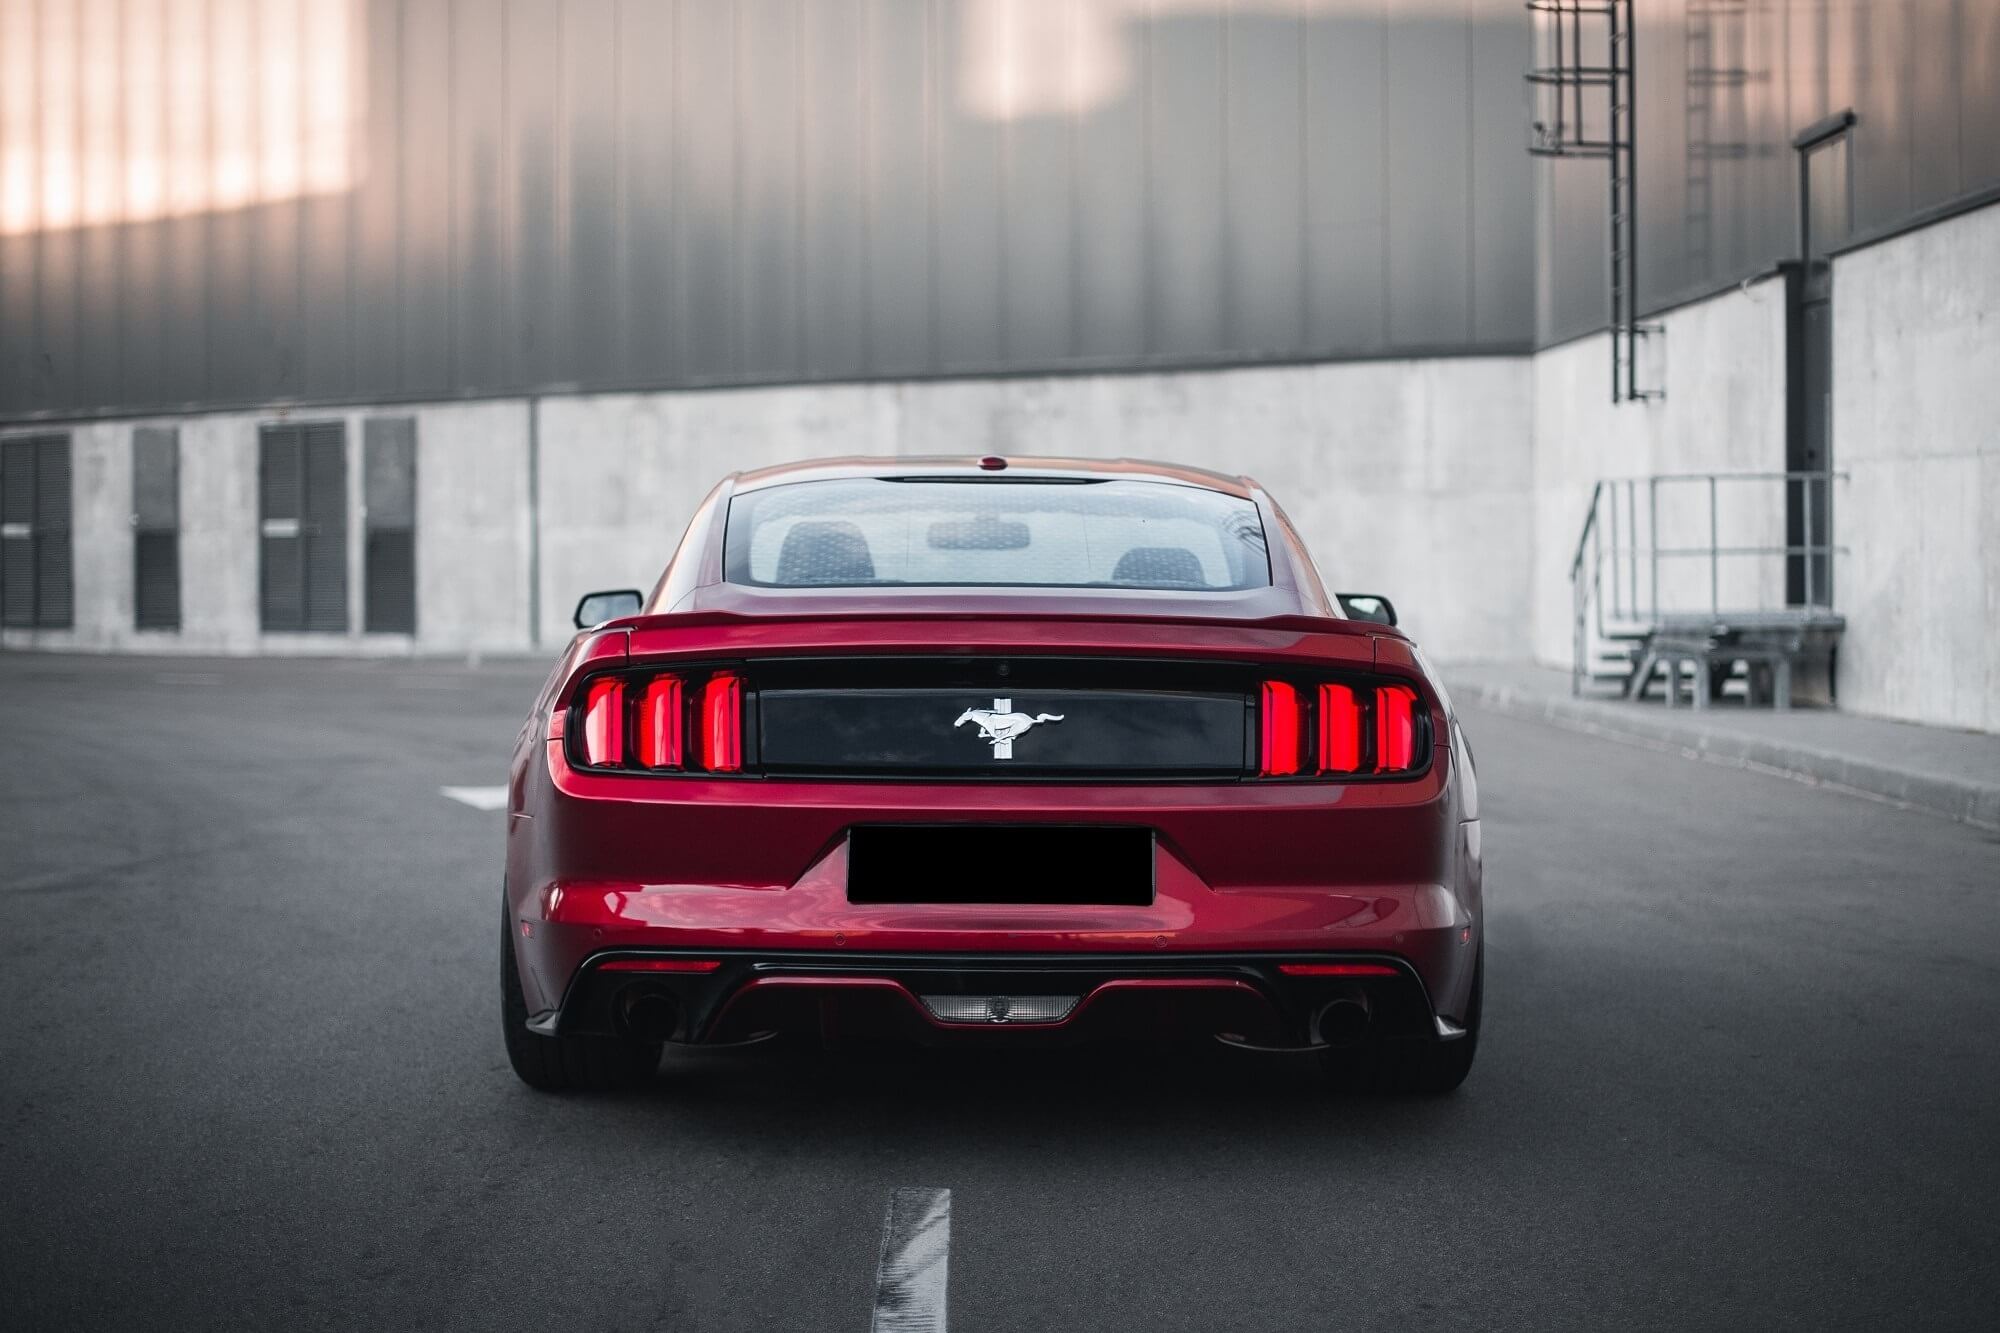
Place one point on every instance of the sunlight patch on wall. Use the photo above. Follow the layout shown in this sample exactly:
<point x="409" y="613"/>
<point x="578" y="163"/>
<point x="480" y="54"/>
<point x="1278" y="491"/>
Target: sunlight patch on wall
<point x="117" y="111"/>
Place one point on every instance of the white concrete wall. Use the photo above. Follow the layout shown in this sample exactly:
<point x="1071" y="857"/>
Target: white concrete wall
<point x="1723" y="368"/>
<point x="472" y="537"/>
<point x="1916" y="420"/>
<point x="1405" y="477"/>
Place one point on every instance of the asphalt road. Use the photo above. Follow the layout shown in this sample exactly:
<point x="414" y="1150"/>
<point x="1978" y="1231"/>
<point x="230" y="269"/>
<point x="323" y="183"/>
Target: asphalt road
<point x="1738" y="1071"/>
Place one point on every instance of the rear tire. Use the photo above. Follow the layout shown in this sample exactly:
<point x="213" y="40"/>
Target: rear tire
<point x="565" y="1064"/>
<point x="1412" y="1066"/>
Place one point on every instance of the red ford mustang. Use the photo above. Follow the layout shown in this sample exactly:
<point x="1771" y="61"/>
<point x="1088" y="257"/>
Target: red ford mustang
<point x="991" y="750"/>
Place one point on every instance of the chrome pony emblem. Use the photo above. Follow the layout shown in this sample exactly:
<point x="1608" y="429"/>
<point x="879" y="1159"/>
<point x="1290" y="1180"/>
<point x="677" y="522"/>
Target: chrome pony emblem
<point x="1000" y="724"/>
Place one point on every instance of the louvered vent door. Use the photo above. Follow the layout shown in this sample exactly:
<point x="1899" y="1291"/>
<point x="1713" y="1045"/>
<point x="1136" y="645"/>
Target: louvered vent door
<point x="302" y="483"/>
<point x="35" y="581"/>
<point x="389" y="488"/>
<point x="156" y="521"/>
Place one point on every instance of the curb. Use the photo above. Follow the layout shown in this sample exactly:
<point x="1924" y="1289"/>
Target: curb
<point x="1969" y="802"/>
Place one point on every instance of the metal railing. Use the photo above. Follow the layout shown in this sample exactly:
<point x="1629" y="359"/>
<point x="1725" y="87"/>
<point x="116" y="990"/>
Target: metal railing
<point x="1621" y="534"/>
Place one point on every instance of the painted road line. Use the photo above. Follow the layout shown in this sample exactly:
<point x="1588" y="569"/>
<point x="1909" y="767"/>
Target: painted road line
<point x="479" y="798"/>
<point x="916" y="1259"/>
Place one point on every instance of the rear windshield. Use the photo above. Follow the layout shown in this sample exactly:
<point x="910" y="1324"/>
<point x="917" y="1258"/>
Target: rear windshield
<point x="1017" y="532"/>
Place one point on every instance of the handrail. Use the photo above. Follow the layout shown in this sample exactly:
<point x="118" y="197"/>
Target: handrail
<point x="1583" y="538"/>
<point x="1629" y="602"/>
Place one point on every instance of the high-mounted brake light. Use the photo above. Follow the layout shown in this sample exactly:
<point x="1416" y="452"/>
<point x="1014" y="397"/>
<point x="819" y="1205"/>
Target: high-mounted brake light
<point x="1278" y="730"/>
<point x="722" y="723"/>
<point x="604" y="724"/>
<point x="1395" y="728"/>
<point x="660" y="714"/>
<point x="1339" y="730"/>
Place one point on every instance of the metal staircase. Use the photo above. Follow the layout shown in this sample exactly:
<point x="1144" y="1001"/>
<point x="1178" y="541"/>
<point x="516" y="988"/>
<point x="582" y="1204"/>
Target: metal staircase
<point x="1691" y="573"/>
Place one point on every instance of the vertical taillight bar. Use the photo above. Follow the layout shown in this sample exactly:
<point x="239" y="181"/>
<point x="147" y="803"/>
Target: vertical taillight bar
<point x="722" y="723"/>
<point x="1395" y="728"/>
<point x="660" y="715"/>
<point x="604" y="723"/>
<point x="1278" y="730"/>
<point x="1339" y="730"/>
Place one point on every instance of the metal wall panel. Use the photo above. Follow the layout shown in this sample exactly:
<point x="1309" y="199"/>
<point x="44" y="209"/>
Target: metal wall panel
<point x="1346" y="179"/>
<point x="1429" y="190"/>
<point x="1264" y="191"/>
<point x="1722" y="86"/>
<point x="366" y="199"/>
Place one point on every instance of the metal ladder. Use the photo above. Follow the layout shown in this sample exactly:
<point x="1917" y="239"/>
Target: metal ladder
<point x="1562" y="129"/>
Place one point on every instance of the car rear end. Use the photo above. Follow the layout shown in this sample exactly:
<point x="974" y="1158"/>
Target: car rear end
<point x="775" y="823"/>
<point x="966" y="819"/>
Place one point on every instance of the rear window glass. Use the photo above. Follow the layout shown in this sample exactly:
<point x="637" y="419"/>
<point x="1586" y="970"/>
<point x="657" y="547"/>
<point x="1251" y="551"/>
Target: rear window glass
<point x="1019" y="532"/>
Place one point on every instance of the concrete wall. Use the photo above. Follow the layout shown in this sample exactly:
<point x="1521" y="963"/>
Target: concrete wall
<point x="1916" y="426"/>
<point x="472" y="537"/>
<point x="1722" y="364"/>
<point x="1916" y="420"/>
<point x="1405" y="477"/>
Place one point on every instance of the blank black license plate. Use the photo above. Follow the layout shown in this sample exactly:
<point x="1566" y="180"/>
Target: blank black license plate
<point x="1000" y="863"/>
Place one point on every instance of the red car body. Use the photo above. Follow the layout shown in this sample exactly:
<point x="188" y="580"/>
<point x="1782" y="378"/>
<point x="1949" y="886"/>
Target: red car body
<point x="1301" y="911"/>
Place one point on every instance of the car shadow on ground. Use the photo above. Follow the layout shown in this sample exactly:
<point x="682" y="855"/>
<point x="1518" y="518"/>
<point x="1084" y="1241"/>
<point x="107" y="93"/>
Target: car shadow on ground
<point x="867" y="1096"/>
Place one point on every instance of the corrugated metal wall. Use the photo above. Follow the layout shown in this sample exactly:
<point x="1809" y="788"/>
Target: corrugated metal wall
<point x="1722" y="87"/>
<point x="237" y="201"/>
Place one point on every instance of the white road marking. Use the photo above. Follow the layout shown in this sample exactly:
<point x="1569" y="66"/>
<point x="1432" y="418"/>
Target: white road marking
<point x="479" y="798"/>
<point x="916" y="1259"/>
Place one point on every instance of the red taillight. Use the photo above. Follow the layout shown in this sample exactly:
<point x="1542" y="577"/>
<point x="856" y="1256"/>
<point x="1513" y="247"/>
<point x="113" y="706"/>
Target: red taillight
<point x="1278" y="716"/>
<point x="1352" y="730"/>
<point x="660" y="723"/>
<point x="1339" y="730"/>
<point x="722" y="723"/>
<point x="1395" y="728"/>
<point x="1338" y="970"/>
<point x="604" y="724"/>
<point x="660" y="965"/>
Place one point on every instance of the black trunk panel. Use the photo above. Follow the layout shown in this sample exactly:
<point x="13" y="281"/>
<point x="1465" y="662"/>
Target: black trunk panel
<point x="969" y="732"/>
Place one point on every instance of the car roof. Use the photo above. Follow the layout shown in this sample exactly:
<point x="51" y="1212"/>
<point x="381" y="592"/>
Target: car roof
<point x="943" y="465"/>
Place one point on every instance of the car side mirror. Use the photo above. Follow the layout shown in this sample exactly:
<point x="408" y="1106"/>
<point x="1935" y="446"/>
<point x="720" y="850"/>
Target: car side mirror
<point x="1370" y="606"/>
<point x="594" y="608"/>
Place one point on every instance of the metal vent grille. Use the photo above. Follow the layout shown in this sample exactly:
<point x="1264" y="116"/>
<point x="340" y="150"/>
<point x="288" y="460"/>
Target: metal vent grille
<point x="36" y="588"/>
<point x="392" y="582"/>
<point x="302" y="485"/>
<point x="389" y="488"/>
<point x="156" y="580"/>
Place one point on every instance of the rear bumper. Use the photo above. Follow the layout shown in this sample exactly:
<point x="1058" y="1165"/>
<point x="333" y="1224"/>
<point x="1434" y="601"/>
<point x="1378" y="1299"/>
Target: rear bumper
<point x="967" y="998"/>
<point x="754" y="874"/>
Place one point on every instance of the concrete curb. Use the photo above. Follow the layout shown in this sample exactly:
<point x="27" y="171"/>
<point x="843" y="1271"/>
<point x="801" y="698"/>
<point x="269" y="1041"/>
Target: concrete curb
<point x="1963" y="799"/>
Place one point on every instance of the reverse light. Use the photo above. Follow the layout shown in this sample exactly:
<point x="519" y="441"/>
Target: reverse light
<point x="604" y="723"/>
<point x="1278" y="730"/>
<point x="722" y="723"/>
